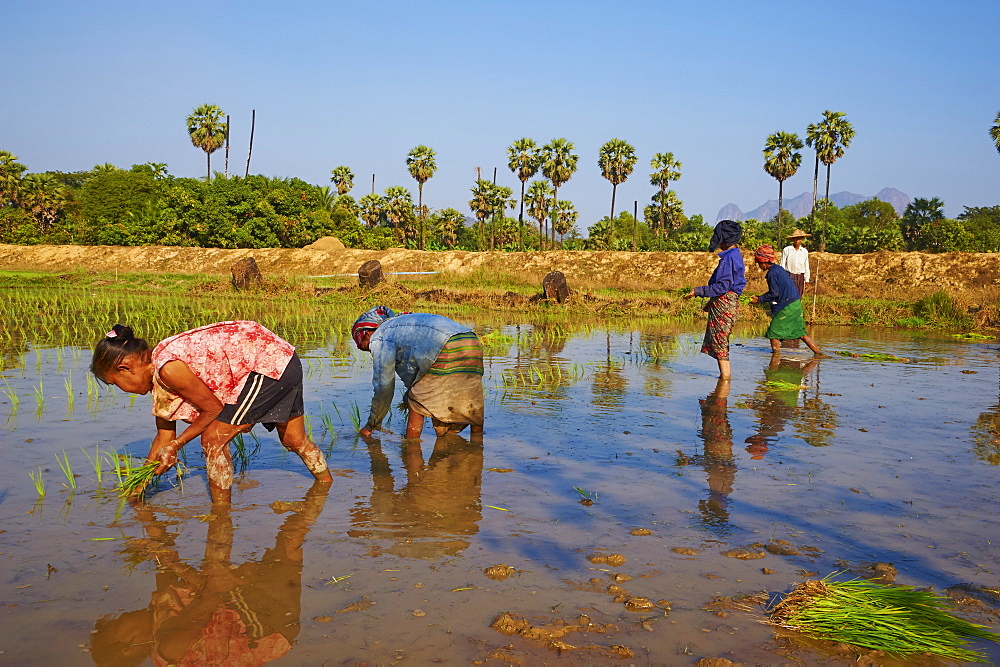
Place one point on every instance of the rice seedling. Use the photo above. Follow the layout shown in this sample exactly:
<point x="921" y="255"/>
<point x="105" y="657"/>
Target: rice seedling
<point x="899" y="620"/>
<point x="136" y="479"/>
<point x="587" y="497"/>
<point x="12" y="397"/>
<point x="39" y="395"/>
<point x="96" y="462"/>
<point x="240" y="457"/>
<point x="67" y="469"/>
<point x="309" y="427"/>
<point x="355" y="416"/>
<point x="70" y="396"/>
<point x="36" y="479"/>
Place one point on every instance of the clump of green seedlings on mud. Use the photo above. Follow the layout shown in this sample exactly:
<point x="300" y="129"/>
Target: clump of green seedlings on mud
<point x="900" y="620"/>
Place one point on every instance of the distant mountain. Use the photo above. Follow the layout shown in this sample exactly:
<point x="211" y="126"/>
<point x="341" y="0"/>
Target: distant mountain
<point x="801" y="205"/>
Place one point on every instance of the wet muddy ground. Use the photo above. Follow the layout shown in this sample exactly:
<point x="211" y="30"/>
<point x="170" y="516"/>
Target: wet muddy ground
<point x="624" y="508"/>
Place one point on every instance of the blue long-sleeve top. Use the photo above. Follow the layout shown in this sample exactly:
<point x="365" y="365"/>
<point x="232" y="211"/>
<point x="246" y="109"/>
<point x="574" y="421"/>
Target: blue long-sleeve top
<point x="781" y="291"/>
<point x="405" y="345"/>
<point x="729" y="275"/>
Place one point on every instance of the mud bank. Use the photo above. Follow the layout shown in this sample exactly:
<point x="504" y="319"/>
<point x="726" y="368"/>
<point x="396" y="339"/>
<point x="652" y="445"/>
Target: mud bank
<point x="910" y="273"/>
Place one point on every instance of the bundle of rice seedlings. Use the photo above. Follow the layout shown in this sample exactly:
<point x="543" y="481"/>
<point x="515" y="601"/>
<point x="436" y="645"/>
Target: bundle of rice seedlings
<point x="896" y="619"/>
<point x="136" y="479"/>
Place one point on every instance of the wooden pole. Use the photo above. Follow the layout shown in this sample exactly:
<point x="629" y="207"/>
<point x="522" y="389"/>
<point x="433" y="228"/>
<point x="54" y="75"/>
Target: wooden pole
<point x="253" y="124"/>
<point x="227" y="145"/>
<point x="373" y="183"/>
<point x="635" y="226"/>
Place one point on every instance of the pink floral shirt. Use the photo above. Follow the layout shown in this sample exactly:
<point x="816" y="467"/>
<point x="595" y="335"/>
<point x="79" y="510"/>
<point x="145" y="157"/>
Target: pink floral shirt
<point x="221" y="355"/>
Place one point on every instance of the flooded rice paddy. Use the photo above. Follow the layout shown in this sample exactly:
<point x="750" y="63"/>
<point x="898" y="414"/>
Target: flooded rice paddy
<point x="620" y="504"/>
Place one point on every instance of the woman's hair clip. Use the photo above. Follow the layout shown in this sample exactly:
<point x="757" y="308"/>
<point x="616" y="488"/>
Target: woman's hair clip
<point x="111" y="334"/>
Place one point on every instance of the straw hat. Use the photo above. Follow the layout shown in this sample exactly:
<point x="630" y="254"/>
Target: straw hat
<point x="798" y="234"/>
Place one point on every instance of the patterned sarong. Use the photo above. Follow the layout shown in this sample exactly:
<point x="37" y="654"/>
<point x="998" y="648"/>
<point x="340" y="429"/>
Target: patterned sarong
<point x="788" y="323"/>
<point x="721" y="318"/>
<point x="451" y="392"/>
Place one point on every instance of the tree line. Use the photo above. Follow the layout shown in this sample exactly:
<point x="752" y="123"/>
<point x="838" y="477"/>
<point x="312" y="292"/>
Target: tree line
<point x="145" y="205"/>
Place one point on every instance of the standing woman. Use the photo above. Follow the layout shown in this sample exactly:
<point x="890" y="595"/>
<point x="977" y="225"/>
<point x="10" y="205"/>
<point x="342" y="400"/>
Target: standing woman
<point x="221" y="379"/>
<point x="723" y="289"/>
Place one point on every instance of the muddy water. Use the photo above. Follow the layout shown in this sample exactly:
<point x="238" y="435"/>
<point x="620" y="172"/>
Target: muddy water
<point x="626" y="491"/>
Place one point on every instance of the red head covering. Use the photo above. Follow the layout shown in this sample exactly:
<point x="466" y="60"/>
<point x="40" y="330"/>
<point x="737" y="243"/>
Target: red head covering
<point x="765" y="253"/>
<point x="369" y="321"/>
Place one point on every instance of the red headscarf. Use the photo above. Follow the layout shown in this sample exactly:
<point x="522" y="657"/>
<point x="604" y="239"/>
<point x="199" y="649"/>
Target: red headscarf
<point x="765" y="253"/>
<point x="369" y="321"/>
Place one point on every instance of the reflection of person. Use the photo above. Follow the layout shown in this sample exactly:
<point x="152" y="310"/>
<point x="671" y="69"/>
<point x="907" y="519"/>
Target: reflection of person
<point x="723" y="289"/>
<point x="439" y="361"/>
<point x="795" y="260"/>
<point x="783" y="380"/>
<point x="438" y="508"/>
<point x="219" y="613"/>
<point x="718" y="461"/>
<point x="787" y="320"/>
<point x="221" y="379"/>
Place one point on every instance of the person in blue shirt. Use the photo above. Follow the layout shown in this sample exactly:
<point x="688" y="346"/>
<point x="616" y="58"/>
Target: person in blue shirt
<point x="787" y="320"/>
<point x="723" y="289"/>
<point x="439" y="361"/>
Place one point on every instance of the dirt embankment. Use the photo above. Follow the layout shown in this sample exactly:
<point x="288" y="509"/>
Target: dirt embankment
<point x="895" y="274"/>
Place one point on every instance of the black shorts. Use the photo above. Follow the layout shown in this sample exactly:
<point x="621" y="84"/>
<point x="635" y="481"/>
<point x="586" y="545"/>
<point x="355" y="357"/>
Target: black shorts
<point x="267" y="401"/>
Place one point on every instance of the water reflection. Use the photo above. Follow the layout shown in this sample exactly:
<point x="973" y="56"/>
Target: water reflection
<point x="777" y="402"/>
<point x="218" y="613"/>
<point x="438" y="508"/>
<point x="718" y="461"/>
<point x="986" y="433"/>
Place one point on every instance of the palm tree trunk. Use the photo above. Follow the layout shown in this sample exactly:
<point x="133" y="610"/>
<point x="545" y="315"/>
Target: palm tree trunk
<point x="227" y="146"/>
<point x="208" y="167"/>
<point x="611" y="220"/>
<point x="822" y="241"/>
<point x="420" y="207"/>
<point x="555" y="211"/>
<point x="663" y="211"/>
<point x="520" y="222"/>
<point x="781" y="185"/>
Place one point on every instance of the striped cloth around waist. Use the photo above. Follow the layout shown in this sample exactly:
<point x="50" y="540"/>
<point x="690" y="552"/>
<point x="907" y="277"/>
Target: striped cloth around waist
<point x="463" y="353"/>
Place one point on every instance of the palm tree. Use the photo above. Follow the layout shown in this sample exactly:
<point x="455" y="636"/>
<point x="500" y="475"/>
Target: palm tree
<point x="420" y="162"/>
<point x="10" y="178"/>
<point x="616" y="158"/>
<point x="44" y="197"/>
<point x="665" y="169"/>
<point x="995" y="131"/>
<point x="398" y="208"/>
<point x="918" y="213"/>
<point x="781" y="161"/>
<point x="207" y="131"/>
<point x="481" y="205"/>
<point x="539" y="200"/>
<point x="372" y="208"/>
<point x="327" y="197"/>
<point x="523" y="162"/>
<point x="501" y="198"/>
<point x="446" y="224"/>
<point x="669" y="213"/>
<point x="343" y="178"/>
<point x="835" y="134"/>
<point x="565" y="217"/>
<point x="558" y="162"/>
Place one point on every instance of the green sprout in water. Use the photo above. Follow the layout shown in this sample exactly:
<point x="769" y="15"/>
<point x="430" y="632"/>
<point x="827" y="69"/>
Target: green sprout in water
<point x="36" y="479"/>
<point x="586" y="497"/>
<point x="137" y="479"/>
<point x="67" y="469"/>
<point x="96" y="461"/>
<point x="355" y="416"/>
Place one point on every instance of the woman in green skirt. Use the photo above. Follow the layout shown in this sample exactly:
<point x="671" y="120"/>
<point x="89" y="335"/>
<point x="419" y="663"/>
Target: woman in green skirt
<point x="787" y="321"/>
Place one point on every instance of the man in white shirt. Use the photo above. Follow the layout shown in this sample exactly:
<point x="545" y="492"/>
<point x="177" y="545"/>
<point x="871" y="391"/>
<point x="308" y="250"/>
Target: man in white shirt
<point x="795" y="260"/>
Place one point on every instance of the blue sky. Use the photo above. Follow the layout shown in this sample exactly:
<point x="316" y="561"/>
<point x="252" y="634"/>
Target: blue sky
<point x="362" y="83"/>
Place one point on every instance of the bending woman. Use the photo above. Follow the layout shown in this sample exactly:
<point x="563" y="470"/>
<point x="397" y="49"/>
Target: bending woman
<point x="723" y="289"/>
<point x="221" y="379"/>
